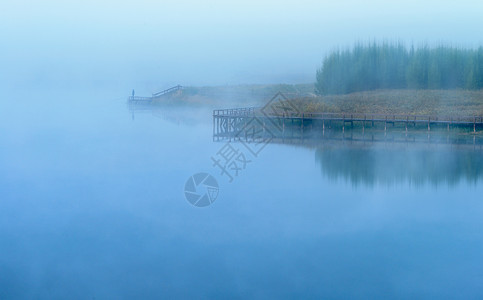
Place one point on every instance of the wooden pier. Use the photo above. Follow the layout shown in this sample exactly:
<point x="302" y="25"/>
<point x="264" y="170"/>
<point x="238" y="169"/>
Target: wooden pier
<point x="158" y="95"/>
<point x="235" y="123"/>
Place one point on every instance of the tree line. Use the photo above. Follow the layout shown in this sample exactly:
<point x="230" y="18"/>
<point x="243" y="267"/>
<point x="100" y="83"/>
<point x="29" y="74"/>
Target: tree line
<point x="394" y="66"/>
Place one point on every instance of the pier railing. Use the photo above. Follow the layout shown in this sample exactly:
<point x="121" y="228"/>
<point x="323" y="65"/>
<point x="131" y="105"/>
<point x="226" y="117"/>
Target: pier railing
<point x="139" y="99"/>
<point x="245" y="111"/>
<point x="167" y="91"/>
<point x="145" y="100"/>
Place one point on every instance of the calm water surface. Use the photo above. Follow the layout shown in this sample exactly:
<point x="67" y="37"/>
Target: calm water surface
<point x="92" y="207"/>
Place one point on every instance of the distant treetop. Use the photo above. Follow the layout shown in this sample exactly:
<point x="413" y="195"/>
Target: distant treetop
<point x="393" y="66"/>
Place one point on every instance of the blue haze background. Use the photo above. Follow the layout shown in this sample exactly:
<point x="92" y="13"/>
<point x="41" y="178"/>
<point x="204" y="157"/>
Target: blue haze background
<point x="91" y="201"/>
<point x="92" y="206"/>
<point x="150" y="45"/>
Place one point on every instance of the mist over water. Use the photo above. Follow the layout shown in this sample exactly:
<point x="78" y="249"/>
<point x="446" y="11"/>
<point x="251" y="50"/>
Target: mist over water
<point x="150" y="45"/>
<point x="93" y="206"/>
<point x="92" y="202"/>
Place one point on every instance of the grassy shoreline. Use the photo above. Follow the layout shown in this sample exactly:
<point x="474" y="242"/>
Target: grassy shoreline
<point x="403" y="101"/>
<point x="411" y="102"/>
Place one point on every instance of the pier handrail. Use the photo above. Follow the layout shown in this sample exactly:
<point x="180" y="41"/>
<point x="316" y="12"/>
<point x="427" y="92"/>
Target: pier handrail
<point x="243" y="111"/>
<point x="138" y="98"/>
<point x="172" y="89"/>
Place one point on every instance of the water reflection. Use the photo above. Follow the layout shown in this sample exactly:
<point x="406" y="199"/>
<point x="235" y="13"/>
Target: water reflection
<point x="371" y="156"/>
<point x="391" y="164"/>
<point x="171" y="113"/>
<point x="362" y="157"/>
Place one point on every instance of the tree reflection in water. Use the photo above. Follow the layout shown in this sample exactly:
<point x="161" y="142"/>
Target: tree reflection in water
<point x="416" y="165"/>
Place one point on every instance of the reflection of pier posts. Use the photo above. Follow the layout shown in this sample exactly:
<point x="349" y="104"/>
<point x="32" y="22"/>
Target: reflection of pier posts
<point x="302" y="125"/>
<point x="283" y="124"/>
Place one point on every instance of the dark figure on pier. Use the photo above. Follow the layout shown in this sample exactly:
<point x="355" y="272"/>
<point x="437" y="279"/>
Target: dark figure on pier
<point x="133" y="92"/>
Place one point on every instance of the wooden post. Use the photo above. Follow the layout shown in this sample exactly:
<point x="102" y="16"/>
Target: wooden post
<point x="218" y="125"/>
<point x="302" y="124"/>
<point x="283" y="124"/>
<point x="429" y="120"/>
<point x="245" y="130"/>
<point x="229" y="128"/>
<point x="263" y="127"/>
<point x="343" y="123"/>
<point x="474" y="125"/>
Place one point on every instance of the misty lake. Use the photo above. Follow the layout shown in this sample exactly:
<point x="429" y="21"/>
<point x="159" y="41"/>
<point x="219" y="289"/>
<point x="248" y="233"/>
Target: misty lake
<point x="92" y="206"/>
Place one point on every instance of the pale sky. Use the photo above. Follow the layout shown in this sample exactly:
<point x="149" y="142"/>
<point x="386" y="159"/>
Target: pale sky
<point x="153" y="44"/>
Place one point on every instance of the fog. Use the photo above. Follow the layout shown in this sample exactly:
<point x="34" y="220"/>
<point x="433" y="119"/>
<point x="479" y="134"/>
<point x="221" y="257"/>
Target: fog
<point x="93" y="187"/>
<point x="150" y="45"/>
